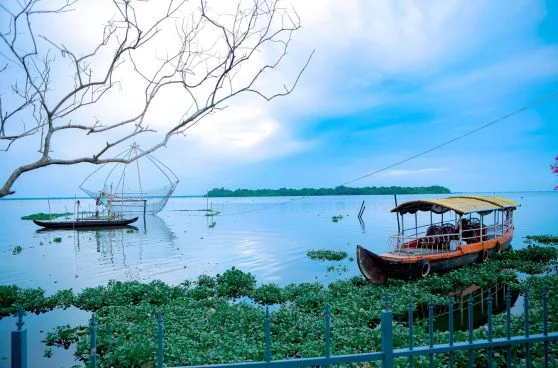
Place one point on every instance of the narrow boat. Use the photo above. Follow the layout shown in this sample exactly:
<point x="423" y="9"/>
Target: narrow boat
<point x="459" y="231"/>
<point x="91" y="223"/>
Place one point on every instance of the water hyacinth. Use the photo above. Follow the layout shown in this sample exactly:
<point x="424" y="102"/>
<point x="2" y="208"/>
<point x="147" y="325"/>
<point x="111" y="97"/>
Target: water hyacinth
<point x="221" y="319"/>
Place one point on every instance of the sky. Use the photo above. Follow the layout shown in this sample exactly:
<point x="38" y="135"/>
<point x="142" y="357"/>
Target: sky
<point x="387" y="81"/>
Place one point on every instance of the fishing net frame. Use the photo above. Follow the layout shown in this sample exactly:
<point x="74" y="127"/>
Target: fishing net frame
<point x="118" y="200"/>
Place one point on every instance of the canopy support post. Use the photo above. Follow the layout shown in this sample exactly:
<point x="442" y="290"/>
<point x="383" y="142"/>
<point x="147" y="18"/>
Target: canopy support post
<point x="416" y="226"/>
<point x="460" y="230"/>
<point x="397" y="213"/>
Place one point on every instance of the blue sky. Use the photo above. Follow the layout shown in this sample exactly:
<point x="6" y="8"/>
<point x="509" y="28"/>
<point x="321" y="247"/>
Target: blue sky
<point x="389" y="79"/>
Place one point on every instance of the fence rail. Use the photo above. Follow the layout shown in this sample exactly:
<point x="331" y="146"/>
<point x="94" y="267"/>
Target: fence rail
<point x="386" y="355"/>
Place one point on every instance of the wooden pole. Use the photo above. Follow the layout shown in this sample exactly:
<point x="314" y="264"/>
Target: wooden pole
<point x="397" y="214"/>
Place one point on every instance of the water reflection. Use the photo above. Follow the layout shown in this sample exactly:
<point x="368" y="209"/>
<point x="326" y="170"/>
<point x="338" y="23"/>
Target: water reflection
<point x="362" y="225"/>
<point x="480" y="297"/>
<point x="85" y="257"/>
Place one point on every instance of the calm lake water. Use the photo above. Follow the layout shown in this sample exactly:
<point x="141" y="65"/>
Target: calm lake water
<point x="268" y="237"/>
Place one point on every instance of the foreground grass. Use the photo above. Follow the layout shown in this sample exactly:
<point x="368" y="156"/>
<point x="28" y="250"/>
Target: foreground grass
<point x="221" y="319"/>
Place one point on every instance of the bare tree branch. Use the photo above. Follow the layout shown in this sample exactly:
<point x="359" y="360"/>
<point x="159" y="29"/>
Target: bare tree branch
<point x="210" y="58"/>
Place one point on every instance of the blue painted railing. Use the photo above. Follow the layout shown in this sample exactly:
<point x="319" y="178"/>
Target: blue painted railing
<point x="386" y="355"/>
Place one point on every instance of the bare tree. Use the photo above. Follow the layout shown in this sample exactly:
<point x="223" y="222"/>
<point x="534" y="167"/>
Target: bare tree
<point x="214" y="58"/>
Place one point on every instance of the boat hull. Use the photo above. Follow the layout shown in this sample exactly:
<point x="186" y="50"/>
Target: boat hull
<point x="81" y="224"/>
<point x="379" y="268"/>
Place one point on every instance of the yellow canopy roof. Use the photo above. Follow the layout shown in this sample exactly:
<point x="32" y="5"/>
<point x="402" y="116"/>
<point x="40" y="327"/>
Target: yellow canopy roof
<point x="459" y="204"/>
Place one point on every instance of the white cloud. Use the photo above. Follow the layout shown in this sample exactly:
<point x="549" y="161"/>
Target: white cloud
<point x="249" y="134"/>
<point x="539" y="63"/>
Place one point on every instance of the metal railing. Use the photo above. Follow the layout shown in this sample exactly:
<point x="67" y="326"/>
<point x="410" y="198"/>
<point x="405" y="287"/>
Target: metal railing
<point x="386" y="355"/>
<point x="442" y="242"/>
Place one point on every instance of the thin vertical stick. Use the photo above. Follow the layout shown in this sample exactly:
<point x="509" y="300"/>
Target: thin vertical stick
<point x="397" y="214"/>
<point x="451" y="354"/>
<point x="489" y="302"/>
<point x="508" y="325"/>
<point x="527" y="347"/>
<point x="267" y="335"/>
<point x="470" y="322"/>
<point x="93" y="352"/>
<point x="327" y="334"/>
<point x="430" y="330"/>
<point x="410" y="314"/>
<point x="545" y="325"/>
<point x="160" y="339"/>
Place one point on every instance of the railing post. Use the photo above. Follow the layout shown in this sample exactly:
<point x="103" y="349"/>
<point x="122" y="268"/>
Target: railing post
<point x="526" y="312"/>
<point x="430" y="331"/>
<point x="93" y="352"/>
<point x="508" y="326"/>
<point x="489" y="324"/>
<point x="470" y="325"/>
<point x="545" y="325"/>
<point x="19" y="343"/>
<point x="387" y="334"/>
<point x="267" y="335"/>
<point x="450" y="315"/>
<point x="327" y="334"/>
<point x="411" y="332"/>
<point x="159" y="339"/>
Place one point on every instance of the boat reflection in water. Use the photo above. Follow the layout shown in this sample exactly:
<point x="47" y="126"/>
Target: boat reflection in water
<point x="480" y="297"/>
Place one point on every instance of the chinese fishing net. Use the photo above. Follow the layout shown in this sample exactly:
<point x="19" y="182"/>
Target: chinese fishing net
<point x="142" y="186"/>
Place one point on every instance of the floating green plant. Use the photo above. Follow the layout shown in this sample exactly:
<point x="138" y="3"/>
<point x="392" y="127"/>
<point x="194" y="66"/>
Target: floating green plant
<point x="57" y="239"/>
<point x="45" y="216"/>
<point x="326" y="255"/>
<point x="543" y="239"/>
<point x="16" y="249"/>
<point x="336" y="218"/>
<point x="206" y="322"/>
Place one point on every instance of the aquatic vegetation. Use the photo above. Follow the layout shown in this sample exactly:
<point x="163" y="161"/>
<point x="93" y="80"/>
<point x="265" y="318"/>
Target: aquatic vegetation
<point x="57" y="239"/>
<point x="64" y="336"/>
<point x="269" y="294"/>
<point x="45" y="216"/>
<point x="234" y="283"/>
<point x="336" y="218"/>
<point x="543" y="239"/>
<point x="326" y="255"/>
<point x="205" y="322"/>
<point x="16" y="249"/>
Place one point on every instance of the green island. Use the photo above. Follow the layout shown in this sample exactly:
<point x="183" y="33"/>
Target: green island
<point x="221" y="319"/>
<point x="340" y="190"/>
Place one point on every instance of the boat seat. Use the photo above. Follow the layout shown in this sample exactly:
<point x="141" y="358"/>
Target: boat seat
<point x="432" y="238"/>
<point x="450" y="233"/>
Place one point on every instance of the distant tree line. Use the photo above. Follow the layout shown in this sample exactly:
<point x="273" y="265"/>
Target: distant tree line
<point x="340" y="190"/>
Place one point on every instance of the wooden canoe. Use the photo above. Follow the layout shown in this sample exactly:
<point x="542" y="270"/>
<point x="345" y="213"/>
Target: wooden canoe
<point x="85" y="223"/>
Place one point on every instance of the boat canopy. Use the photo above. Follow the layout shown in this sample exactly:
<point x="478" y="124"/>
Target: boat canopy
<point x="460" y="204"/>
